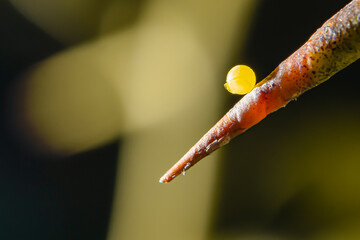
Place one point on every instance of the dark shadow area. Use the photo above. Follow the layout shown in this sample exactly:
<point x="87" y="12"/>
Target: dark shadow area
<point x="63" y="198"/>
<point x="22" y="43"/>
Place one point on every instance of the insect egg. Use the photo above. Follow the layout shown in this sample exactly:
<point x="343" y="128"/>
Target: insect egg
<point x="240" y="80"/>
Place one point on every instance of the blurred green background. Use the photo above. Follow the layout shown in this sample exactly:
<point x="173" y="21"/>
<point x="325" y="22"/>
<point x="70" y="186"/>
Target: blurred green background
<point x="100" y="98"/>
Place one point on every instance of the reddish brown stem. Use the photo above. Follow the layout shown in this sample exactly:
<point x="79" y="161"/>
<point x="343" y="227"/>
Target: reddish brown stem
<point x="330" y="49"/>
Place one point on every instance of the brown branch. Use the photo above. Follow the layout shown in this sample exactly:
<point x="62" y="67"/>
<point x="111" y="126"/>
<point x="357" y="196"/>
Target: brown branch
<point x="331" y="48"/>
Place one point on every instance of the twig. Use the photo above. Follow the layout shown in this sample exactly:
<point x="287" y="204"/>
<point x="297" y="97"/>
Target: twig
<point x="331" y="48"/>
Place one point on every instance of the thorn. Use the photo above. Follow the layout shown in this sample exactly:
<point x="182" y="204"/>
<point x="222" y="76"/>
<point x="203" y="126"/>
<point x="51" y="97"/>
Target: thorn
<point x="297" y="74"/>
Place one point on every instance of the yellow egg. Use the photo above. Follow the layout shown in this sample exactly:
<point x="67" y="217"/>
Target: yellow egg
<point x="240" y="80"/>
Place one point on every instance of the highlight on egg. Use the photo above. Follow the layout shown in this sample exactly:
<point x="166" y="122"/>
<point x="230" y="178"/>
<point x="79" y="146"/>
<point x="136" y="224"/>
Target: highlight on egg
<point x="240" y="80"/>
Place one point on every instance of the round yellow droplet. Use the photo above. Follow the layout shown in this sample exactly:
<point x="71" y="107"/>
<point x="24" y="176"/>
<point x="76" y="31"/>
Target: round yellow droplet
<point x="240" y="80"/>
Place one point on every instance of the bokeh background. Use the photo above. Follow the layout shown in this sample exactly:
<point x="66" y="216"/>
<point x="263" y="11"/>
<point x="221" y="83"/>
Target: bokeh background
<point x="100" y="98"/>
